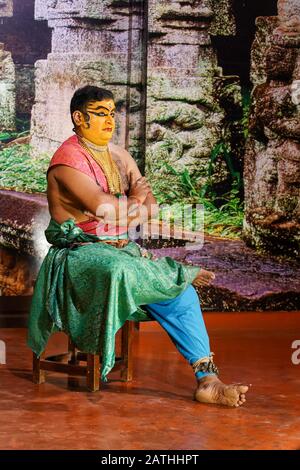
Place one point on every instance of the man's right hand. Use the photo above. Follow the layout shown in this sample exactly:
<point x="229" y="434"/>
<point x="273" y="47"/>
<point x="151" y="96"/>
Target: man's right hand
<point x="204" y="278"/>
<point x="139" y="189"/>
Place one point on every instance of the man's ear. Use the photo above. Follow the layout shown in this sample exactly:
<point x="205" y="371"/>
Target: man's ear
<point x="78" y="118"/>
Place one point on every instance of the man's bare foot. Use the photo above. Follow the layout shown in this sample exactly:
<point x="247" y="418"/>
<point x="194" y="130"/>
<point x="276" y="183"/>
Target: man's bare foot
<point x="211" y="390"/>
<point x="204" y="278"/>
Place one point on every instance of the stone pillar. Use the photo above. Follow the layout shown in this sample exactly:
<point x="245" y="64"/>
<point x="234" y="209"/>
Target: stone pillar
<point x="6" y="8"/>
<point x="265" y="26"/>
<point x="7" y="91"/>
<point x="93" y="42"/>
<point x="7" y="78"/>
<point x="186" y="89"/>
<point x="272" y="161"/>
<point x="28" y="41"/>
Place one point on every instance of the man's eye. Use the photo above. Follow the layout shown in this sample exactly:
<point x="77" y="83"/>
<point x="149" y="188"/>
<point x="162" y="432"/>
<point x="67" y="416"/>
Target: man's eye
<point x="102" y="114"/>
<point x="105" y="114"/>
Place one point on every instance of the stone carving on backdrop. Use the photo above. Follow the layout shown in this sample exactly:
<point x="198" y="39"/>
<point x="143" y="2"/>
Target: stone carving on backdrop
<point x="272" y="161"/>
<point x="186" y="89"/>
<point x="7" y="91"/>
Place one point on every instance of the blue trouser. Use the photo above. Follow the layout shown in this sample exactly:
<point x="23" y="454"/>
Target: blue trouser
<point x="182" y="319"/>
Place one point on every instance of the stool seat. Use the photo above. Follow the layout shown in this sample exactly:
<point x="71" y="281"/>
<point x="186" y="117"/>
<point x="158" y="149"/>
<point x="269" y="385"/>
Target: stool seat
<point x="91" y="368"/>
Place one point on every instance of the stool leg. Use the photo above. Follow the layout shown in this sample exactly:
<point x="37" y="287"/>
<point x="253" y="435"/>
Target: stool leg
<point x="93" y="372"/>
<point x="73" y="382"/>
<point x="72" y="350"/>
<point x="127" y="340"/>
<point x="38" y="375"/>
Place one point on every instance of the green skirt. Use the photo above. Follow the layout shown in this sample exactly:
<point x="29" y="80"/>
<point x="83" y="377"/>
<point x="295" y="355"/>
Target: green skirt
<point x="89" y="290"/>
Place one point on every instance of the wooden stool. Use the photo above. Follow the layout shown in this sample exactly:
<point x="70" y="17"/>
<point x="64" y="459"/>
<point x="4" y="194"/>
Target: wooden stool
<point x="92" y="368"/>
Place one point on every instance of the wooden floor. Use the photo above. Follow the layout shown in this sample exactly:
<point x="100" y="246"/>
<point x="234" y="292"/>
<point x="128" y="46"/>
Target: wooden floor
<point x="156" y="410"/>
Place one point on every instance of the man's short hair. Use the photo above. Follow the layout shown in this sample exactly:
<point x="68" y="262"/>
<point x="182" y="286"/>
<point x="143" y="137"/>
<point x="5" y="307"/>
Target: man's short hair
<point x="84" y="95"/>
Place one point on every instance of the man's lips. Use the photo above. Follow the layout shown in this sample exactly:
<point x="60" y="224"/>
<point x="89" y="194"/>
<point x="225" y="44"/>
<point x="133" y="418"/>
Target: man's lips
<point x="108" y="129"/>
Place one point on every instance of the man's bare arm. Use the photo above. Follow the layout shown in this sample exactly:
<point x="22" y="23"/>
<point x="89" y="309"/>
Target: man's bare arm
<point x="150" y="203"/>
<point x="88" y="194"/>
<point x="146" y="211"/>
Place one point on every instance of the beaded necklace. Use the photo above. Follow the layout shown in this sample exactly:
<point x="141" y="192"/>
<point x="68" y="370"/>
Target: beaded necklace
<point x="102" y="156"/>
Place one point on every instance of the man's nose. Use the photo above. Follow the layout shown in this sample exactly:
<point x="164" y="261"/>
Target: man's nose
<point x="109" y="119"/>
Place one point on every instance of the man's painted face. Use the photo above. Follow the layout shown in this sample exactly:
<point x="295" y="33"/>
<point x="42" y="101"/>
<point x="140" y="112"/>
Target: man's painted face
<point x="99" y="122"/>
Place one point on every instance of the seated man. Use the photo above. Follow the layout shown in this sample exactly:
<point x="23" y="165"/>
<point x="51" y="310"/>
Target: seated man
<point x="94" y="278"/>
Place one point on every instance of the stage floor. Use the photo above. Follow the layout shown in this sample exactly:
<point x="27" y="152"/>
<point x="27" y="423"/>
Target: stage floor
<point x="156" y="410"/>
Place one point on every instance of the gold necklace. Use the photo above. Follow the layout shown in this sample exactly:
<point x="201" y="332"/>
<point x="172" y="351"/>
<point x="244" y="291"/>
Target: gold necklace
<point x="108" y="166"/>
<point x="97" y="148"/>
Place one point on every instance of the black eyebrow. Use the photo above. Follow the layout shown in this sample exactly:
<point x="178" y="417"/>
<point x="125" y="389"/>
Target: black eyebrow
<point x="103" y="107"/>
